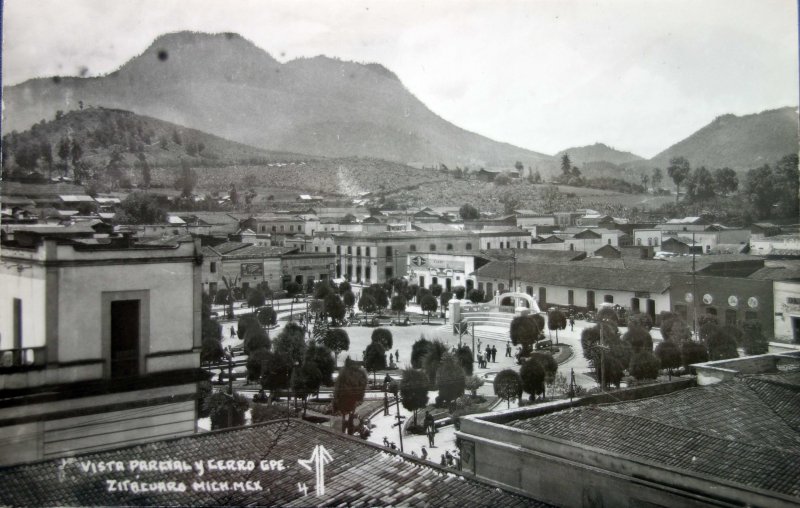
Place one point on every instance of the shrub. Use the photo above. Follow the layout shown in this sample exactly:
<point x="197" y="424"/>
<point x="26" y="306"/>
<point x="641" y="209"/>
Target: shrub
<point x="754" y="341"/>
<point x="644" y="365"/>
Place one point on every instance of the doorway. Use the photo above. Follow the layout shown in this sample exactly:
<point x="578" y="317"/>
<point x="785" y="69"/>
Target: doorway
<point x="125" y="316"/>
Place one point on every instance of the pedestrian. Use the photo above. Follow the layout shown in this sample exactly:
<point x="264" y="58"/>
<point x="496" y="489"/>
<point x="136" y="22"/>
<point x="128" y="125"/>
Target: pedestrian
<point x="424" y="454"/>
<point x="448" y="458"/>
<point x="508" y="350"/>
<point x="430" y="427"/>
<point x="494" y="354"/>
<point x="413" y="453"/>
<point x="443" y="462"/>
<point x="572" y="323"/>
<point x="480" y="360"/>
<point x="488" y="354"/>
<point x="397" y="355"/>
<point x="385" y="442"/>
<point x="233" y="332"/>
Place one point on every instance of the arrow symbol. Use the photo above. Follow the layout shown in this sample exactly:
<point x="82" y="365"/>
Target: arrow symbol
<point x="319" y="457"/>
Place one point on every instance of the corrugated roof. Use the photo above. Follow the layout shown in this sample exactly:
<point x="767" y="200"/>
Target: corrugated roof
<point x="358" y="474"/>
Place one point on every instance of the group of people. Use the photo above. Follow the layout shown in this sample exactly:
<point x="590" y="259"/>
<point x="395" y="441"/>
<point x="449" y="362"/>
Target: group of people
<point x="489" y="355"/>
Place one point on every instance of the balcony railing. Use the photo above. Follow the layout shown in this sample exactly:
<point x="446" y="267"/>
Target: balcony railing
<point x="22" y="358"/>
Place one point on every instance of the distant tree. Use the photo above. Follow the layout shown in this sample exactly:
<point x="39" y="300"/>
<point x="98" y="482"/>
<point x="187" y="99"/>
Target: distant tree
<point x="787" y="177"/>
<point x="556" y="320"/>
<point x="502" y="179"/>
<point x="211" y="350"/>
<point x="645" y="178"/>
<point x="644" y="365"/>
<point x="63" y="154"/>
<point x="256" y="359"/>
<point x="293" y="289"/>
<point x="176" y="137"/>
<point x="418" y="351"/>
<point x="726" y="181"/>
<point x="641" y="319"/>
<point x="656" y="178"/>
<point x="678" y="170"/>
<point x="323" y="358"/>
<point x="639" y="339"/>
<point x="187" y="179"/>
<point x="477" y="296"/>
<point x="607" y="314"/>
<point x="348" y="392"/>
<point x="433" y="357"/>
<point x="532" y="375"/>
<point x="291" y="342"/>
<point x="244" y="322"/>
<point x="700" y="185"/>
<point x="414" y="390"/>
<point x="465" y="358"/>
<point x="755" y="343"/>
<point x="459" y="292"/>
<point x="760" y="190"/>
<point x="335" y="308"/>
<point x="524" y="332"/>
<point x="449" y="379"/>
<point x="140" y="208"/>
<point x="421" y="293"/>
<point x="566" y="165"/>
<point x="468" y="212"/>
<point x="375" y="359"/>
<point x="383" y="336"/>
<point x="472" y="383"/>
<point x="306" y="379"/>
<point x="508" y="385"/>
<point x="145" y="167"/>
<point x="366" y="304"/>
<point x="76" y="153"/>
<point x="399" y="304"/>
<point x="322" y="289"/>
<point x="548" y="363"/>
<point x="669" y="355"/>
<point x="721" y="345"/>
<point x="379" y="294"/>
<point x="444" y="300"/>
<point x="267" y="317"/>
<point x="518" y="166"/>
<point x="337" y="341"/>
<point x="693" y="352"/>
<point x="226" y="410"/>
<point x="436" y="290"/>
<point x="255" y="338"/>
<point x="344" y="287"/>
<point x="256" y="299"/>
<point x="429" y="305"/>
<point x="349" y="300"/>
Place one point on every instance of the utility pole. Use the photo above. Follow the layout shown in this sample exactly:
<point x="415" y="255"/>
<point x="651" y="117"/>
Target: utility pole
<point x="399" y="423"/>
<point x="694" y="291"/>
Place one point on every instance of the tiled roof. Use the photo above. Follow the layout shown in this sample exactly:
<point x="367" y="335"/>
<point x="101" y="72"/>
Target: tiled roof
<point x="744" y="431"/>
<point x="359" y="474"/>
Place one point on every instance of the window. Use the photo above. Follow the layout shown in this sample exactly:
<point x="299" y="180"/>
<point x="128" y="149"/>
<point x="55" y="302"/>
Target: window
<point x="291" y="228"/>
<point x="488" y="245"/>
<point x="349" y="249"/>
<point x="480" y="286"/>
<point x="449" y="246"/>
<point x="432" y="247"/>
<point x="750" y="315"/>
<point x="328" y="250"/>
<point x="358" y="251"/>
<point x="730" y="317"/>
<point x="524" y="245"/>
<point x="17" y="309"/>
<point x="501" y="287"/>
<point x="608" y="298"/>
<point x="263" y="228"/>
<point x="542" y="297"/>
<point x="213" y="266"/>
<point x="590" y="299"/>
<point x="368" y="273"/>
<point x="469" y="246"/>
<point x="281" y="229"/>
<point x="412" y="248"/>
<point x="316" y="248"/>
<point x="212" y="288"/>
<point x="609" y="241"/>
<point x="274" y="229"/>
<point x="518" y="244"/>
<point x="338" y="249"/>
<point x="529" y="290"/>
<point x="389" y="272"/>
<point x="638" y="241"/>
<point x="366" y="253"/>
<point x="650" y="241"/>
<point x="571" y="297"/>
<point x="388" y="251"/>
<point x="571" y="246"/>
<point x="422" y="281"/>
<point x="489" y="290"/>
<point x="655" y="242"/>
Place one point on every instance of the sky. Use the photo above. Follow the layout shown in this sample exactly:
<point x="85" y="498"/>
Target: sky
<point x="637" y="75"/>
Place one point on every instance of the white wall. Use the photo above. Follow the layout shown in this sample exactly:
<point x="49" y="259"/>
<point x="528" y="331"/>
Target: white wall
<point x="29" y="286"/>
<point x="785" y="309"/>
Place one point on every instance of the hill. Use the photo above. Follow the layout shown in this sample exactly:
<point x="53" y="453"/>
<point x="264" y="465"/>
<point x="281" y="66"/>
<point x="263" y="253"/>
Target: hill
<point x="597" y="152"/>
<point x="738" y="142"/>
<point x="225" y="85"/>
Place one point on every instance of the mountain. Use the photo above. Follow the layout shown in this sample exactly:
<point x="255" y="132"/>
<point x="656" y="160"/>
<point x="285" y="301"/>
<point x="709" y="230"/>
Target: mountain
<point x="738" y="142"/>
<point x="597" y="152"/>
<point x="225" y="85"/>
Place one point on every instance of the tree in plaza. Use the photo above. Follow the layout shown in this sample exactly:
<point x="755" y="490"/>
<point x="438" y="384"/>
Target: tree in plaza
<point x="384" y="336"/>
<point x="753" y="338"/>
<point x="366" y="304"/>
<point x="348" y="392"/>
<point x="639" y="339"/>
<point x="337" y="341"/>
<point x="433" y="357"/>
<point x="459" y="292"/>
<point x="291" y="342"/>
<point x="556" y="320"/>
<point x="532" y="375"/>
<point x="669" y="355"/>
<point x="349" y="300"/>
<point x="211" y="350"/>
<point x="726" y="181"/>
<point x="611" y="371"/>
<point x="322" y="289"/>
<point x="267" y="317"/>
<point x="255" y="338"/>
<point x="306" y="379"/>
<point x="246" y="321"/>
<point x="276" y="368"/>
<point x="444" y="300"/>
<point x="421" y="293"/>
<point x="323" y="359"/>
<point x="414" y="390"/>
<point x="477" y="296"/>
<point x="524" y="332"/>
<point x="608" y="315"/>
<point x="293" y="289"/>
<point x="221" y="297"/>
<point x="399" y="304"/>
<point x="472" y="383"/>
<point x="419" y="349"/>
<point x="508" y="385"/>
<point x="255" y="360"/>
<point x="230" y="286"/>
<point x="642" y="320"/>
<point x="344" y="287"/>
<point x="334" y="308"/>
<point x="693" y="352"/>
<point x="429" y="305"/>
<point x="644" y="365"/>
<point x="436" y="290"/>
<point x="721" y="345"/>
<point x="256" y="299"/>
<point x="449" y="379"/>
<point x="468" y="212"/>
<point x="225" y="409"/>
<point x="465" y="358"/>
<point x="375" y="359"/>
<point x="378" y="293"/>
<point x="607" y="334"/>
<point x="410" y="292"/>
<point x="678" y="170"/>
<point x="549" y="365"/>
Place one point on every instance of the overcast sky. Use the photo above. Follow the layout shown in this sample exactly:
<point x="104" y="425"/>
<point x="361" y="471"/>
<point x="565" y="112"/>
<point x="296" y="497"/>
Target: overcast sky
<point x="638" y="75"/>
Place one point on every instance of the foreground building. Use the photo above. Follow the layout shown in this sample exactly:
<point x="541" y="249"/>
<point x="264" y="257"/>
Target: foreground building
<point x="99" y="342"/>
<point x="281" y="463"/>
<point x="732" y="441"/>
